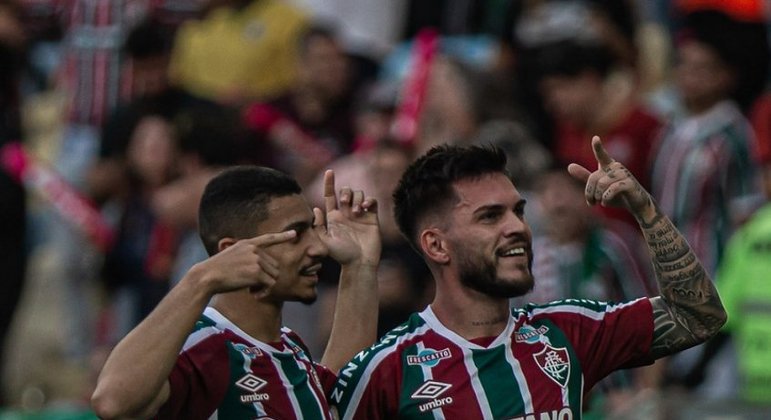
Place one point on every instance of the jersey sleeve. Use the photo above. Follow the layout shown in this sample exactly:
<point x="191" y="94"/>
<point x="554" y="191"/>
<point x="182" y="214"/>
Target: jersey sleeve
<point x="193" y="392"/>
<point x="605" y="336"/>
<point x="368" y="387"/>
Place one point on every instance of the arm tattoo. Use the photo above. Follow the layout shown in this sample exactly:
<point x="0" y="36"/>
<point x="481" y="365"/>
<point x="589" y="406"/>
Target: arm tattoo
<point x="689" y="311"/>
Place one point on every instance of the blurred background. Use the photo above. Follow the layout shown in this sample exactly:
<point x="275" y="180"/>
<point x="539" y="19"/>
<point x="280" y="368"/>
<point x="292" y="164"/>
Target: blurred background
<point x="115" y="113"/>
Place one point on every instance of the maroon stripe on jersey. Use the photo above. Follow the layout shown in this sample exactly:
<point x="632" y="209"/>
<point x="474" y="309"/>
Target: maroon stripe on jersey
<point x="193" y="396"/>
<point x="619" y="338"/>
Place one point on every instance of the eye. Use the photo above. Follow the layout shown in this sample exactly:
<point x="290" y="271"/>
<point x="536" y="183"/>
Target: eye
<point x="519" y="209"/>
<point x="490" y="216"/>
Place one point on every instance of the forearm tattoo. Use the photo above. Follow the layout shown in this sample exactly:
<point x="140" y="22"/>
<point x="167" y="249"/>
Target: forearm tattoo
<point x="688" y="311"/>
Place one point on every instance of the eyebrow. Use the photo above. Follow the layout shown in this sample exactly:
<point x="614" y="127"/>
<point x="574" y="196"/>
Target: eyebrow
<point x="300" y="226"/>
<point x="498" y="207"/>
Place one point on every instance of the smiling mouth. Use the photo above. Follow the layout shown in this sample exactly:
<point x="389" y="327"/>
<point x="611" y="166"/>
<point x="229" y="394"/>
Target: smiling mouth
<point x="311" y="270"/>
<point x="519" y="251"/>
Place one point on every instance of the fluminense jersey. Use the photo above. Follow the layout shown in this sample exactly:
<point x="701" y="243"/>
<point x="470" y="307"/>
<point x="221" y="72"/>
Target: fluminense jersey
<point x="224" y="373"/>
<point x="539" y="367"/>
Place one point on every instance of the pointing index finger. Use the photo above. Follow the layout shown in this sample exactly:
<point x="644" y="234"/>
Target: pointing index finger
<point x="330" y="199"/>
<point x="602" y="156"/>
<point x="273" y="238"/>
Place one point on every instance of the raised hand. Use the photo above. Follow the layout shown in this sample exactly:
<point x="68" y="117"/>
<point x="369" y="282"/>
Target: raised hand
<point x="611" y="185"/>
<point x="245" y="264"/>
<point x="350" y="226"/>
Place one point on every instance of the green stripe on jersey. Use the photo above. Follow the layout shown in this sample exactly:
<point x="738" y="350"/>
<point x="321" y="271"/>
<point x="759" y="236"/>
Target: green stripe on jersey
<point x="231" y="406"/>
<point x="300" y="386"/>
<point x="413" y="378"/>
<point x="575" y="382"/>
<point x="352" y="373"/>
<point x="498" y="381"/>
<point x="203" y="322"/>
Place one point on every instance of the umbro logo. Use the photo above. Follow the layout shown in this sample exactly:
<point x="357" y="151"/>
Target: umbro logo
<point x="251" y="383"/>
<point x="432" y="390"/>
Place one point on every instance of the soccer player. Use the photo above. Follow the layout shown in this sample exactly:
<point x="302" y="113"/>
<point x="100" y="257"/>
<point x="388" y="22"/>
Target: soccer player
<point x="214" y="346"/>
<point x="468" y="355"/>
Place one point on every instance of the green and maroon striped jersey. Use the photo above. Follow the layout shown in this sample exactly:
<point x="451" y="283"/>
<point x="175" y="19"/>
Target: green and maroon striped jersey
<point x="539" y="367"/>
<point x="224" y="373"/>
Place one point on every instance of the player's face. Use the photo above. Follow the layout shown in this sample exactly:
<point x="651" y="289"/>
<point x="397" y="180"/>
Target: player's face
<point x="300" y="259"/>
<point x="489" y="240"/>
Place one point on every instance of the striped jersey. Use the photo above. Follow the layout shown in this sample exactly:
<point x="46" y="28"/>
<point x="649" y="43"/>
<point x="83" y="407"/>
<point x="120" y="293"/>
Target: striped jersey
<point x="705" y="179"/>
<point x="224" y="373"/>
<point x="539" y="367"/>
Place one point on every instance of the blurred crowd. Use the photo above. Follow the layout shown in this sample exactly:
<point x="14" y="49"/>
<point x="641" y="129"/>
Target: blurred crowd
<point x="114" y="114"/>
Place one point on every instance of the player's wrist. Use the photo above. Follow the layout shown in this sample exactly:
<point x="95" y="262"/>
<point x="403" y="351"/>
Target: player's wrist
<point x="200" y="281"/>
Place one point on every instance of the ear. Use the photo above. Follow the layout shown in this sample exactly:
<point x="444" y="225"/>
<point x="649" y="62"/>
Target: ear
<point x="434" y="246"/>
<point x="225" y="243"/>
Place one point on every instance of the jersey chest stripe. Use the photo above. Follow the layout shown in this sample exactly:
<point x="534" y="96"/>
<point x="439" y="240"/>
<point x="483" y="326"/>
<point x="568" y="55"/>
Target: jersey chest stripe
<point x="519" y="376"/>
<point x="301" y="379"/>
<point x="287" y="386"/>
<point x="438" y="413"/>
<point x="499" y="383"/>
<point x="198" y="337"/>
<point x="258" y="407"/>
<point x="476" y="384"/>
<point x="350" y="408"/>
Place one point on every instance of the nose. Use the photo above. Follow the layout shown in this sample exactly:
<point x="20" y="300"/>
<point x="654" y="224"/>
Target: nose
<point x="317" y="248"/>
<point x="514" y="224"/>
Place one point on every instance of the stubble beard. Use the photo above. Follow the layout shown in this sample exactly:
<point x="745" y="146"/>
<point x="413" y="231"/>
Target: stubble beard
<point x="480" y="274"/>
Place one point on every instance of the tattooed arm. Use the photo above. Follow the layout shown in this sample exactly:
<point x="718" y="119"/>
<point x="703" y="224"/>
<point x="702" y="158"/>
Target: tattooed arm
<point x="688" y="311"/>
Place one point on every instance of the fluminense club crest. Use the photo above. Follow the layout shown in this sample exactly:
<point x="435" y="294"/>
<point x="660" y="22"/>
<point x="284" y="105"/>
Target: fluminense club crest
<point x="555" y="363"/>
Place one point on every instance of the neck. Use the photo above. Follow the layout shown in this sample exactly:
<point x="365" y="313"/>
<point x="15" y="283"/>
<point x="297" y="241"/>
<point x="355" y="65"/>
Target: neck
<point x="469" y="313"/>
<point x="259" y="319"/>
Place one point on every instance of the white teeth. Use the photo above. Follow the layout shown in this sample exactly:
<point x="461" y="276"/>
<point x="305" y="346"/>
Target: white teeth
<point x="514" y="252"/>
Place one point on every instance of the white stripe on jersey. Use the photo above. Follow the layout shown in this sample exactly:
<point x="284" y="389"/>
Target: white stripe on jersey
<point x="427" y="374"/>
<point x="303" y="367"/>
<point x="287" y="385"/>
<point x="476" y="384"/>
<point x="223" y="322"/>
<point x="567" y="307"/>
<point x="214" y="415"/>
<point x="516" y="369"/>
<point x="439" y="328"/>
<point x="376" y="360"/>
<point x="258" y="407"/>
<point x="198" y="336"/>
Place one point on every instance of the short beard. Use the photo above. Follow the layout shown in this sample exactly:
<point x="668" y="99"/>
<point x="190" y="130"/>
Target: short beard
<point x="479" y="274"/>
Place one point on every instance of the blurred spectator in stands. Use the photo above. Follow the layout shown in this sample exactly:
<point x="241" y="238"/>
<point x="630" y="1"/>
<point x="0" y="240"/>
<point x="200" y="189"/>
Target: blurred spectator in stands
<point x="240" y="52"/>
<point x="311" y="124"/>
<point x="703" y="176"/>
<point x="368" y="30"/>
<point x="138" y="265"/>
<point x="147" y="50"/>
<point x="460" y="99"/>
<point x="744" y="283"/>
<point x="585" y="95"/>
<point x="208" y="141"/>
<point x="533" y="25"/>
<point x="13" y="250"/>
